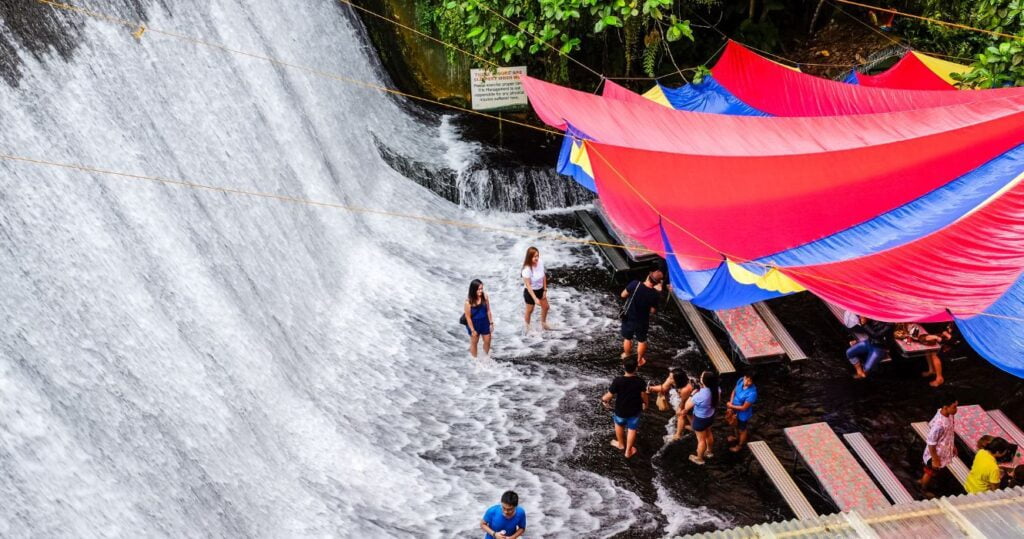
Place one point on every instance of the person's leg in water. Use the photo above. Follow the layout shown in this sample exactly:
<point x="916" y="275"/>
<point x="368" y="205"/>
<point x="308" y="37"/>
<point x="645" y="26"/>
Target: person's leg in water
<point x="709" y="443"/>
<point x="680" y="423"/>
<point x="698" y="458"/>
<point x="487" y="345"/>
<point x="627" y="348"/>
<point x="855" y="354"/>
<point x="544" y="306"/>
<point x="529" y="314"/>
<point x="641" y="349"/>
<point x="619" y="442"/>
<point x="474" y="338"/>
<point x="630" y="440"/>
<point x="936" y="365"/>
<point x="741" y="436"/>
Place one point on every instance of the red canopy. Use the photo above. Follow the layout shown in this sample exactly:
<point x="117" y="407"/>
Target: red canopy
<point x="909" y="73"/>
<point x="780" y="91"/>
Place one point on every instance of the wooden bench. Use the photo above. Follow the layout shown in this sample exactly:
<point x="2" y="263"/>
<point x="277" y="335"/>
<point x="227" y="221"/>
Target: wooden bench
<point x="835" y="468"/>
<point x="879" y="470"/>
<point x="792" y="349"/>
<point x="615" y="257"/>
<point x="1011" y="429"/>
<point x="719" y="359"/>
<point x="779" y="477"/>
<point x="634" y="251"/>
<point x="972" y="422"/>
<point x="956" y="466"/>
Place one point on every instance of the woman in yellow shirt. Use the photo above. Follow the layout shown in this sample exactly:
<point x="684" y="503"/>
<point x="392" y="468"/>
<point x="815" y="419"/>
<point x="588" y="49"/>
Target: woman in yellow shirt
<point x="985" y="474"/>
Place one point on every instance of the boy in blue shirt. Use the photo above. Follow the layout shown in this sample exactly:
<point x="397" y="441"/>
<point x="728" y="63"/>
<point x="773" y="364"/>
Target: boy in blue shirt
<point x="506" y="520"/>
<point x="740" y="409"/>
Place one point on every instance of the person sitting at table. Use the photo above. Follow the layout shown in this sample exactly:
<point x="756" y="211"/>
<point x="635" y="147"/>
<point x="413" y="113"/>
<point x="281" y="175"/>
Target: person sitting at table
<point x="985" y="474"/>
<point x="913" y="331"/>
<point x="866" y="353"/>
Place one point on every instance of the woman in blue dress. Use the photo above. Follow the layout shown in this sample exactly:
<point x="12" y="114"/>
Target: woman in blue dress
<point x="478" y="318"/>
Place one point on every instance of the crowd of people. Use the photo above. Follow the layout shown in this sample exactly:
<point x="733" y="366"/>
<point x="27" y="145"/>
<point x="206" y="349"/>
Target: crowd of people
<point x="696" y="400"/>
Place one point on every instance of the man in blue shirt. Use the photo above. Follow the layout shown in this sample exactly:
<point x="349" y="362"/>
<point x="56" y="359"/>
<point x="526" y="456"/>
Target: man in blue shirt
<point x="506" y="520"/>
<point x="740" y="409"/>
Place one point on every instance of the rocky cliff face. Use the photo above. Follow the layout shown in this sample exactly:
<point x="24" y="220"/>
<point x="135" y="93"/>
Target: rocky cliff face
<point x="415" y="63"/>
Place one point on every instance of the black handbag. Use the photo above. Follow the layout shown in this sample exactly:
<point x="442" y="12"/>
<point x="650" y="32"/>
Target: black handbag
<point x="462" y="320"/>
<point x="625" y="308"/>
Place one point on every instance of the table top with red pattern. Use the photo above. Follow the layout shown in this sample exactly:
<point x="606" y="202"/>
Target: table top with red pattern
<point x="913" y="348"/>
<point x="748" y="330"/>
<point x="972" y="422"/>
<point x="837" y="470"/>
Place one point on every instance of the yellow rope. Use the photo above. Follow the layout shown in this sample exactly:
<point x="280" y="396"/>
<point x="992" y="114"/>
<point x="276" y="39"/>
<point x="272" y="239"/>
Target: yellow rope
<point x="142" y="28"/>
<point x="317" y="203"/>
<point x="422" y="34"/>
<point x="546" y="44"/>
<point x="933" y="21"/>
<point x="789" y="270"/>
<point x="310" y="70"/>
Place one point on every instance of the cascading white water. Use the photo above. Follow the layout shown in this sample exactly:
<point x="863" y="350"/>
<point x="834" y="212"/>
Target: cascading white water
<point x="181" y="362"/>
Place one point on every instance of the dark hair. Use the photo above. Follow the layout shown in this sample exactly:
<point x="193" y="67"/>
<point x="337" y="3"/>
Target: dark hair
<point x="474" y="286"/>
<point x="710" y="380"/>
<point x="656" y="276"/>
<point x="747" y="373"/>
<point x="510" y="498"/>
<point x="998" y="445"/>
<point x="945" y="398"/>
<point x="629" y="365"/>
<point x="680" y="377"/>
<point x="528" y="261"/>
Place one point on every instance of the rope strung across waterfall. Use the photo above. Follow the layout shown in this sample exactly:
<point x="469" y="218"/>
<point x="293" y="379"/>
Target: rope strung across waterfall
<point x="142" y="28"/>
<point x="398" y="214"/>
<point x="419" y="33"/>
<point x="934" y="21"/>
<point x="311" y="70"/>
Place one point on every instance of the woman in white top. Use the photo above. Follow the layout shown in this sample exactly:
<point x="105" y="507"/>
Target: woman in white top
<point x="535" y="283"/>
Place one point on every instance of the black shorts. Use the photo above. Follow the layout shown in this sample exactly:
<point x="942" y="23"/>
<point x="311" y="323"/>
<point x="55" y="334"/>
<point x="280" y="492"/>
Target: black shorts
<point x="529" y="300"/>
<point x="633" y="330"/>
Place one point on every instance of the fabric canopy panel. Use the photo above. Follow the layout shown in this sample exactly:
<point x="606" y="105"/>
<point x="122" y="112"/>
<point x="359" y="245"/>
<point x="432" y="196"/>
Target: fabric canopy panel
<point x="770" y="198"/>
<point x="647" y="125"/>
<point x="818" y="209"/>
<point x="776" y="90"/>
<point x="910" y="73"/>
<point x="707" y="96"/>
<point x="960" y="270"/>
<point x="999" y="335"/>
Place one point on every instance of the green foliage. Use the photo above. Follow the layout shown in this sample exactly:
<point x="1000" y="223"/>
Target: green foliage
<point x="538" y="31"/>
<point x="998" y="66"/>
<point x="998" y="62"/>
<point x="699" y="73"/>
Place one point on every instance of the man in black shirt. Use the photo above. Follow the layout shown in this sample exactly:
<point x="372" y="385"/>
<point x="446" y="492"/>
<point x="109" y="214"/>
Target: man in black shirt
<point x="641" y="301"/>
<point x="630" y="393"/>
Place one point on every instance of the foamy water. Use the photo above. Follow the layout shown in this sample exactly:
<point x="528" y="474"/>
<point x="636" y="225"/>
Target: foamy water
<point x="183" y="362"/>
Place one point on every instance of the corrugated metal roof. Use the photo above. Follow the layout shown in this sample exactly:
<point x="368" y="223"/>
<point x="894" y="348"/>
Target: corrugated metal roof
<point x="992" y="514"/>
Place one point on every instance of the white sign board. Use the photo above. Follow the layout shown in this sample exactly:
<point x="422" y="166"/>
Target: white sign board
<point x="498" y="88"/>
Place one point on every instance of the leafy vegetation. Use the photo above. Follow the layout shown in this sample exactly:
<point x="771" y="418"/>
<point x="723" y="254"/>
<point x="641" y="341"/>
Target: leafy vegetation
<point x="997" y="62"/>
<point x="541" y="32"/>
